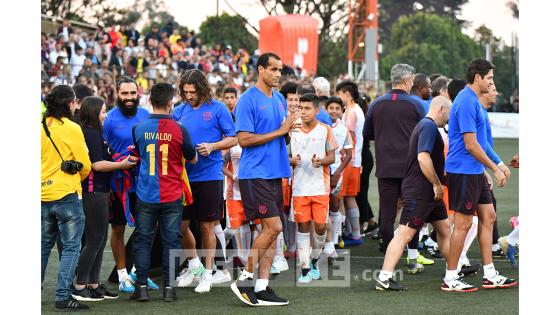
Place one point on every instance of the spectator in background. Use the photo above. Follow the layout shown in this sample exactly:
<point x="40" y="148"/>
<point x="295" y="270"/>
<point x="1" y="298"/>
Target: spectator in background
<point x="65" y="30"/>
<point x="153" y="34"/>
<point x="77" y="61"/>
<point x="132" y="34"/>
<point x="82" y="91"/>
<point x="58" y="52"/>
<point x="117" y="62"/>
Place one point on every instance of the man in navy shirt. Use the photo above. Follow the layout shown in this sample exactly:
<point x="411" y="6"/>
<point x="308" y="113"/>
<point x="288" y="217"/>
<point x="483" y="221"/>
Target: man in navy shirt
<point x="212" y="130"/>
<point x="422" y="191"/>
<point x="262" y="121"/>
<point x="468" y="187"/>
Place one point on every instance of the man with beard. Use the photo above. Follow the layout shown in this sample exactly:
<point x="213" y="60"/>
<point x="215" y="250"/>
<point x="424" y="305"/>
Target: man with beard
<point x="117" y="131"/>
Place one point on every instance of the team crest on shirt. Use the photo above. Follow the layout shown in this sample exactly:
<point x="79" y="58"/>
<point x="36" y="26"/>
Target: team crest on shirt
<point x="263" y="209"/>
<point x="207" y="116"/>
<point x="262" y="107"/>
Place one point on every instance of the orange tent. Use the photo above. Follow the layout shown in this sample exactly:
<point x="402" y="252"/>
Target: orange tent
<point x="293" y="37"/>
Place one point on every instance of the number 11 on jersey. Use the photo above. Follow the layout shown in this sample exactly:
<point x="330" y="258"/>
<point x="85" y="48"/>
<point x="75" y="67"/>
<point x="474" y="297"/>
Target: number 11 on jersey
<point x="151" y="149"/>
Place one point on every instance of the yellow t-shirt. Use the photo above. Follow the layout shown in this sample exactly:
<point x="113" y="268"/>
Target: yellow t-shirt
<point x="70" y="141"/>
<point x="174" y="38"/>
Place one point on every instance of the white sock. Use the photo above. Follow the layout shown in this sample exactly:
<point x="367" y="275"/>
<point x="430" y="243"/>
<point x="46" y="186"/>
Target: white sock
<point x="423" y="231"/>
<point x="430" y="242"/>
<point x="385" y="275"/>
<point x="221" y="237"/>
<point x="245" y="240"/>
<point x="354" y="214"/>
<point x="471" y="235"/>
<point x="280" y="245"/>
<point x="207" y="274"/>
<point x="495" y="247"/>
<point x="319" y="241"/>
<point x="304" y="249"/>
<point x="133" y="270"/>
<point x="463" y="260"/>
<point x="513" y="237"/>
<point x="123" y="274"/>
<point x="261" y="285"/>
<point x="328" y="248"/>
<point x="194" y="263"/>
<point x="335" y="218"/>
<point x="412" y="253"/>
<point x="489" y="270"/>
<point x="347" y="226"/>
<point x="450" y="275"/>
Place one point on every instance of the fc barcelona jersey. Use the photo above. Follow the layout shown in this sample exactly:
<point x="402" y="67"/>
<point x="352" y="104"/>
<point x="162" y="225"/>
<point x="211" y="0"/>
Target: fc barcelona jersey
<point x="163" y="145"/>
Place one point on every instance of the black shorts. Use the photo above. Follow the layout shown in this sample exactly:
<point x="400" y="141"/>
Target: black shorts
<point x="261" y="198"/>
<point x="467" y="191"/>
<point x="208" y="201"/>
<point x="416" y="212"/>
<point x="116" y="210"/>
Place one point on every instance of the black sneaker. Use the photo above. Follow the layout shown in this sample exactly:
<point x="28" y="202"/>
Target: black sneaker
<point x="169" y="294"/>
<point x="498" y="253"/>
<point x="389" y="285"/>
<point x="86" y="294"/>
<point x="140" y="294"/>
<point x="370" y="229"/>
<point x="375" y="234"/>
<point x="269" y="298"/>
<point x="70" y="305"/>
<point x="467" y="270"/>
<point x="434" y="251"/>
<point x="245" y="291"/>
<point x="107" y="295"/>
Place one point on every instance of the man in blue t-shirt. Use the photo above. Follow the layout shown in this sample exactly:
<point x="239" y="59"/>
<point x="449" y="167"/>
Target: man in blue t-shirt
<point x="117" y="132"/>
<point x="422" y="90"/>
<point x="211" y="128"/>
<point x="468" y="187"/>
<point x="262" y="121"/>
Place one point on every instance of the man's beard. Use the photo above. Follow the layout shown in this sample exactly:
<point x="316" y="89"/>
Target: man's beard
<point x="126" y="110"/>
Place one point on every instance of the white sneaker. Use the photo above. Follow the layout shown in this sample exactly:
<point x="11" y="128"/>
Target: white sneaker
<point x="187" y="276"/>
<point x="204" y="286"/>
<point x="221" y="276"/>
<point x="280" y="264"/>
<point x="457" y="285"/>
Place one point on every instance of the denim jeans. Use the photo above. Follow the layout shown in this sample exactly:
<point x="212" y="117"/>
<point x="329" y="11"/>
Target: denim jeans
<point x="63" y="217"/>
<point x="148" y="215"/>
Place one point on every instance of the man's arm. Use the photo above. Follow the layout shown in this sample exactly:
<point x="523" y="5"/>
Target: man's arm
<point x="474" y="148"/>
<point x="427" y="167"/>
<point x="206" y="148"/>
<point x="248" y="139"/>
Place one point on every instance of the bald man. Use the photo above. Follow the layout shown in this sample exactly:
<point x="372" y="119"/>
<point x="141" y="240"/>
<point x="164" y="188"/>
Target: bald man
<point x="421" y="191"/>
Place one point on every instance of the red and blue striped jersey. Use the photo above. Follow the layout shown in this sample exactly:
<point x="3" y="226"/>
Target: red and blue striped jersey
<point x="163" y="146"/>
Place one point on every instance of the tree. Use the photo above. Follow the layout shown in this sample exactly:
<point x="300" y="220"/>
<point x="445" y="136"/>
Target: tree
<point x="227" y="29"/>
<point x="431" y="44"/>
<point x="513" y="5"/>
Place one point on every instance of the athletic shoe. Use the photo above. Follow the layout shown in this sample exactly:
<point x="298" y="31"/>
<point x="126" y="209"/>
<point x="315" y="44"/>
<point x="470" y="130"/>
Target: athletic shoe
<point x="353" y="242"/>
<point x="269" y="298"/>
<point x="304" y="279"/>
<point x="414" y="268"/>
<point x="151" y="285"/>
<point x="188" y="275"/>
<point x="457" y="285"/>
<point x="279" y="264"/>
<point x="107" y="295"/>
<point x="467" y="270"/>
<point x="245" y="291"/>
<point x="423" y="260"/>
<point x="498" y="281"/>
<point x="70" y="305"/>
<point x="204" y="285"/>
<point x="389" y="285"/>
<point x="86" y="294"/>
<point x="434" y="251"/>
<point x="375" y="234"/>
<point x="370" y="229"/>
<point x="126" y="286"/>
<point x="221" y="276"/>
<point x="508" y="249"/>
<point x="140" y="294"/>
<point x="314" y="274"/>
<point x="498" y="253"/>
<point x="169" y="294"/>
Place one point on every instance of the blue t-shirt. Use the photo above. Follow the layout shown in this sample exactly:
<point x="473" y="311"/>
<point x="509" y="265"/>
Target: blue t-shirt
<point x="210" y="123"/>
<point x="324" y="117"/>
<point x="466" y="115"/>
<point x="259" y="114"/>
<point x="425" y="103"/>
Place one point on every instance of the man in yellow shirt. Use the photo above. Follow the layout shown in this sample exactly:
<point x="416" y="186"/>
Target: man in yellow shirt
<point x="64" y="164"/>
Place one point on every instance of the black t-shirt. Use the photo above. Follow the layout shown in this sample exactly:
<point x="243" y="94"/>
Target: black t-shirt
<point x="425" y="138"/>
<point x="98" y="151"/>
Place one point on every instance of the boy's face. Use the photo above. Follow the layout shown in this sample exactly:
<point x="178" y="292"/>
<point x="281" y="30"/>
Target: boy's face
<point x="292" y="99"/>
<point x="334" y="110"/>
<point x="307" y="112"/>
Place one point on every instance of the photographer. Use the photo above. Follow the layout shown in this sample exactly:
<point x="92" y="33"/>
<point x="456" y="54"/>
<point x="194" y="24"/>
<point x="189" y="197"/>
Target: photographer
<point x="64" y="164"/>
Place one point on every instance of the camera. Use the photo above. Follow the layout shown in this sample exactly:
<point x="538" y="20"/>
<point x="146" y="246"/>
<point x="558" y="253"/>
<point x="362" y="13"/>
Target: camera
<point x="71" y="166"/>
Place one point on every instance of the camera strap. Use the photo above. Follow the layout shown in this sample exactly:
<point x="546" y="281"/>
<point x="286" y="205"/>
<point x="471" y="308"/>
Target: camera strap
<point x="44" y="121"/>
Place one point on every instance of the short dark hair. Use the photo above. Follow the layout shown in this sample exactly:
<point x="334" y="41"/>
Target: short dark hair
<point x="82" y="91"/>
<point x="305" y="89"/>
<point x="264" y="59"/>
<point x="335" y="99"/>
<point x="58" y="100"/>
<point x="198" y="79"/>
<point x="480" y="67"/>
<point x="289" y="88"/>
<point x="420" y="80"/>
<point x="161" y="94"/>
<point x="454" y="87"/>
<point x="89" y="112"/>
<point x="439" y="84"/>
<point x="310" y="97"/>
<point x="350" y="87"/>
<point x="434" y="76"/>
<point x="230" y="89"/>
<point x="125" y="79"/>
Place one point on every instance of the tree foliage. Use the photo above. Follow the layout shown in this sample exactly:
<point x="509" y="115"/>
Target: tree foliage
<point x="227" y="30"/>
<point x="430" y="43"/>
